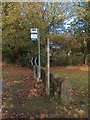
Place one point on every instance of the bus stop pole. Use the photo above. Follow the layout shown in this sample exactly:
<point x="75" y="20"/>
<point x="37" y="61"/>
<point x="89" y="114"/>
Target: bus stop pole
<point x="34" y="71"/>
<point x="39" y="64"/>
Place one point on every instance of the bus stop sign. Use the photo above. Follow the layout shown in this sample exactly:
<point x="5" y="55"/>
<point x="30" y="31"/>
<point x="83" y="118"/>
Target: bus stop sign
<point x="34" y="34"/>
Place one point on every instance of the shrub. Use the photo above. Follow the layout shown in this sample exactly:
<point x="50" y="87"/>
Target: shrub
<point x="67" y="60"/>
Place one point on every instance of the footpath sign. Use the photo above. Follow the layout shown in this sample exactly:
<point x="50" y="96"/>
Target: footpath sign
<point x="56" y="47"/>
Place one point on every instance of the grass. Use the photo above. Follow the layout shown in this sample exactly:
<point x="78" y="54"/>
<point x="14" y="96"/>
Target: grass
<point x="78" y="78"/>
<point x="35" y="106"/>
<point x="41" y="104"/>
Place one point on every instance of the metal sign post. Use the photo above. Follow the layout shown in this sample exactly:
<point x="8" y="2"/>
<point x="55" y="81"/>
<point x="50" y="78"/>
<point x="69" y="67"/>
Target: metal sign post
<point x="48" y="68"/>
<point x="34" y="71"/>
<point x="35" y="36"/>
<point x="34" y="67"/>
<point x="39" y="64"/>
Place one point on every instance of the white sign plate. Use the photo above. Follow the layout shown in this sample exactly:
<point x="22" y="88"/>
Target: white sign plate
<point x="34" y="36"/>
<point x="34" y="30"/>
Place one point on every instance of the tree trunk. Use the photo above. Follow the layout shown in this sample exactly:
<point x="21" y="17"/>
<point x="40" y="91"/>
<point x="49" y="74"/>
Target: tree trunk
<point x="85" y="52"/>
<point x="85" y="59"/>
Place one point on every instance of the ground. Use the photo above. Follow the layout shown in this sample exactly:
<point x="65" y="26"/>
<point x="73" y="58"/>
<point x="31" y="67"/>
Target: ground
<point x="23" y="97"/>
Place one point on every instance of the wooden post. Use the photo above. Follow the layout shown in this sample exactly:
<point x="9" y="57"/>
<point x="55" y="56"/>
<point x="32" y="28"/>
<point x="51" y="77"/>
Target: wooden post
<point x="48" y="68"/>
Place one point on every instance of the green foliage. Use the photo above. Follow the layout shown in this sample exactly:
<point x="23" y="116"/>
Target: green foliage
<point x="18" y="18"/>
<point x="67" y="60"/>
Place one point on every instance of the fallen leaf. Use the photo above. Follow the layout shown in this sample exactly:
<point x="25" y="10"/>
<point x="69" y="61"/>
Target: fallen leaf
<point x="81" y="113"/>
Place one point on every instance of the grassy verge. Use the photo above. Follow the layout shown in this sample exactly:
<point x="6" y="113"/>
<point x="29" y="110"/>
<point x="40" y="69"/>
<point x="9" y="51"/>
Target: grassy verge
<point x="78" y="78"/>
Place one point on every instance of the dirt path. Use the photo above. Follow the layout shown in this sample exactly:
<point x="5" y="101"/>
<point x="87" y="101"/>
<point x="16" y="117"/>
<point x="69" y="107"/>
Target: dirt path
<point x="19" y="86"/>
<point x="17" y="81"/>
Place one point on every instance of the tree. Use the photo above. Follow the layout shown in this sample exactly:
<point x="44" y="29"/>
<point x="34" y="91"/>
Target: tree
<point x="17" y="20"/>
<point x="80" y="27"/>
